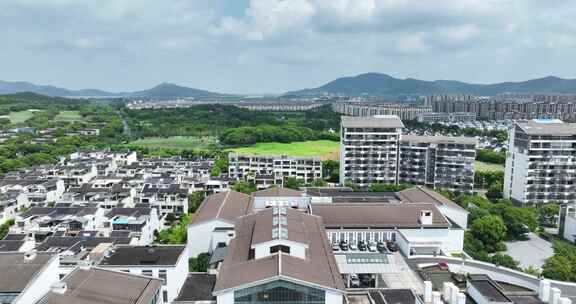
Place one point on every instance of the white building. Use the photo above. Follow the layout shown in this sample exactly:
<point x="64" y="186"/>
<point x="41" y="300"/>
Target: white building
<point x="168" y="263"/>
<point x="369" y="150"/>
<point x="373" y="150"/>
<point x="541" y="163"/>
<point x="26" y="277"/>
<point x="568" y="223"/>
<point x="279" y="253"/>
<point x="250" y="167"/>
<point x="140" y="222"/>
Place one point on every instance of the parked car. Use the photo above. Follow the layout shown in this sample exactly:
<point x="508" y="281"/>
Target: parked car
<point x="372" y="247"/>
<point x="353" y="246"/>
<point x="381" y="247"/>
<point x="354" y="280"/>
<point x="443" y="266"/>
<point x="362" y="246"/>
<point x="344" y="246"/>
<point x="392" y="246"/>
<point x="335" y="247"/>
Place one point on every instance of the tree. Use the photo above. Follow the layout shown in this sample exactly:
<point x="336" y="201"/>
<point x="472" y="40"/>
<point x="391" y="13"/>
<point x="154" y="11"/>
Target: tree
<point x="331" y="170"/>
<point x="195" y="200"/>
<point x="505" y="260"/>
<point x="220" y="165"/>
<point x="559" y="268"/>
<point x="199" y="263"/>
<point x="4" y="228"/>
<point x="548" y="214"/>
<point x="518" y="221"/>
<point x="490" y="230"/>
<point x="244" y="187"/>
<point x="352" y="186"/>
<point x="319" y="183"/>
<point x="494" y="191"/>
<point x="293" y="183"/>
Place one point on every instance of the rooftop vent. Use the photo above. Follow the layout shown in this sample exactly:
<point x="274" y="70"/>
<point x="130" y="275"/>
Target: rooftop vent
<point x="30" y="255"/>
<point x="59" y="288"/>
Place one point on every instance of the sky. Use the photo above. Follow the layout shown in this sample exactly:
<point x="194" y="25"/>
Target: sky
<point x="274" y="46"/>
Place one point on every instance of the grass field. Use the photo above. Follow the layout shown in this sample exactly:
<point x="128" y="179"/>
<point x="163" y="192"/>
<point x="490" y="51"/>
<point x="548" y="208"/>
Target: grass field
<point x="21" y="116"/>
<point x="177" y="142"/>
<point x="482" y="166"/>
<point x="68" y="116"/>
<point x="322" y="148"/>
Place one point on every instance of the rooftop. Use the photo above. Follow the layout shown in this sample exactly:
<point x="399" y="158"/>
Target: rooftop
<point x="533" y="127"/>
<point x="17" y="270"/>
<point x="387" y="121"/>
<point x="95" y="286"/>
<point x="439" y="139"/>
<point x="197" y="287"/>
<point x="226" y="206"/>
<point x="375" y="215"/>
<point x="144" y="255"/>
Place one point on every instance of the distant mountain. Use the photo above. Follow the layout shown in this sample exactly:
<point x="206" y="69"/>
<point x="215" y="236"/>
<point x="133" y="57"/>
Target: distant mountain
<point x="384" y="85"/>
<point x="167" y="90"/>
<point x="161" y="91"/>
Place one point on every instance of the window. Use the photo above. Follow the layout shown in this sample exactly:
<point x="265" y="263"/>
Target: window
<point x="281" y="248"/>
<point x="280" y="292"/>
<point x="162" y="275"/>
<point x="147" y="273"/>
<point x="165" y="296"/>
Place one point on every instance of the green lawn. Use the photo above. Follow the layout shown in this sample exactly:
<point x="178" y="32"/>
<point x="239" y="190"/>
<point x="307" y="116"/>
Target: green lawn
<point x="482" y="166"/>
<point x="323" y="148"/>
<point x="21" y="116"/>
<point x="177" y="142"/>
<point x="68" y="116"/>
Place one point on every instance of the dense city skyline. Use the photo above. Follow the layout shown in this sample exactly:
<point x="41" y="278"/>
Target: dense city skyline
<point x="272" y="46"/>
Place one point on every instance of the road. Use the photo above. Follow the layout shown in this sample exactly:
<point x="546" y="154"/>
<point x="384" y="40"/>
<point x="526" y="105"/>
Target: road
<point x="532" y="252"/>
<point x="125" y="124"/>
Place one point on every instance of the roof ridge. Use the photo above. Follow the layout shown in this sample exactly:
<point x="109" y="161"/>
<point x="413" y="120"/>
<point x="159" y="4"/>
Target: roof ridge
<point x="223" y="203"/>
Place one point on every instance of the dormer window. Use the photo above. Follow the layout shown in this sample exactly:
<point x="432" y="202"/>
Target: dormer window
<point x="280" y="248"/>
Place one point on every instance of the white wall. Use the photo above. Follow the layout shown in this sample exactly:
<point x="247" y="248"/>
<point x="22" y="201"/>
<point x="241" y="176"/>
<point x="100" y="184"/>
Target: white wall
<point x="226" y="298"/>
<point x="452" y="240"/>
<point x="570" y="229"/>
<point x="40" y="285"/>
<point x="200" y="236"/>
<point x="458" y="215"/>
<point x="332" y="297"/>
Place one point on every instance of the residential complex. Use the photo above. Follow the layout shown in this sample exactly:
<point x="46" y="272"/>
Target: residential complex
<point x="404" y="111"/>
<point x="508" y="106"/>
<point x="438" y="162"/>
<point x="373" y="150"/>
<point x="434" y="117"/>
<point x="541" y="163"/>
<point x="265" y="171"/>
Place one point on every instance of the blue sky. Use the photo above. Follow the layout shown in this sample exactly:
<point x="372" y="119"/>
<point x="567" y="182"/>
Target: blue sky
<point x="272" y="46"/>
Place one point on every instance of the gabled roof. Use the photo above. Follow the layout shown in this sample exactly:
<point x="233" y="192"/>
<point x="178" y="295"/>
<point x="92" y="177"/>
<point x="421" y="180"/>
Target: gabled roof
<point x="144" y="255"/>
<point x="421" y="194"/>
<point x="227" y="206"/>
<point x="96" y="286"/>
<point x="318" y="268"/>
<point x="17" y="272"/>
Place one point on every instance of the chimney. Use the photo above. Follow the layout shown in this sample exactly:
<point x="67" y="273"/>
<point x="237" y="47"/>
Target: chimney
<point x="447" y="291"/>
<point x="454" y="294"/>
<point x="427" y="292"/>
<point x="426" y="217"/>
<point x="59" y="288"/>
<point x="30" y="255"/>
<point x="565" y="301"/>
<point x="554" y="295"/>
<point x="461" y="298"/>
<point x="85" y="264"/>
<point x="544" y="291"/>
<point x="436" y="297"/>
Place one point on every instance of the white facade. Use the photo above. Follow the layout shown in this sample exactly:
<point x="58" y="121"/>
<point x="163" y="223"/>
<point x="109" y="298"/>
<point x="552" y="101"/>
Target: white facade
<point x="243" y="166"/>
<point x="205" y="236"/>
<point x="447" y="240"/>
<point x="569" y="232"/>
<point x="41" y="283"/>
<point x="541" y="163"/>
<point x="175" y="275"/>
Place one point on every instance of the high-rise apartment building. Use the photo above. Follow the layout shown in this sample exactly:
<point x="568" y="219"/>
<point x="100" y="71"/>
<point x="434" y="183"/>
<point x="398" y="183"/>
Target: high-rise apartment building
<point x="373" y="150"/>
<point x="369" y="149"/>
<point x="438" y="162"/>
<point x="541" y="162"/>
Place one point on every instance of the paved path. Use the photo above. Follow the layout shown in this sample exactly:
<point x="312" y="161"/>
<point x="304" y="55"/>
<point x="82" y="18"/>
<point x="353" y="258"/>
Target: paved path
<point x="532" y="252"/>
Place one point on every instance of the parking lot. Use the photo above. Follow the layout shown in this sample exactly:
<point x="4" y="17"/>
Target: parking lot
<point x="532" y="252"/>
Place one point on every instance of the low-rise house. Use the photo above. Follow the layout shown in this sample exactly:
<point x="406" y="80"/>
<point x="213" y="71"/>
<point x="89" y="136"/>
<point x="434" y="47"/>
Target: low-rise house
<point x="78" y="250"/>
<point x="47" y="221"/>
<point x="95" y="286"/>
<point x="165" y="195"/>
<point x="9" y="203"/>
<point x="213" y="223"/>
<point x="168" y="263"/>
<point x="36" y="190"/>
<point x="206" y="184"/>
<point x="26" y="277"/>
<point x="140" y="222"/>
